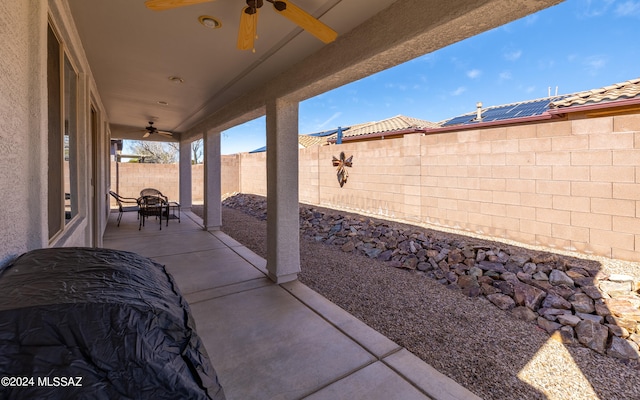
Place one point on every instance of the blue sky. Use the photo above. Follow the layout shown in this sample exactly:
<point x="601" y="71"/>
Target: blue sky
<point x="577" y="45"/>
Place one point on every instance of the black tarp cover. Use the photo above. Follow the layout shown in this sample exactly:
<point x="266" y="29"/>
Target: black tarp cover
<point x="113" y="318"/>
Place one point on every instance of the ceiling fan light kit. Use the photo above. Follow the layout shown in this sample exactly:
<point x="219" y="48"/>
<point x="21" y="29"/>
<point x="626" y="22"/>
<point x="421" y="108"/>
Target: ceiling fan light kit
<point x="247" y="31"/>
<point x="209" y="22"/>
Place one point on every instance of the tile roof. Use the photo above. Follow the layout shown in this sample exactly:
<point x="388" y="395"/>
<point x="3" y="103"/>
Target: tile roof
<point x="389" y="125"/>
<point x="304" y="141"/>
<point x="531" y="108"/>
<point x="308" y="140"/>
<point x="619" y="91"/>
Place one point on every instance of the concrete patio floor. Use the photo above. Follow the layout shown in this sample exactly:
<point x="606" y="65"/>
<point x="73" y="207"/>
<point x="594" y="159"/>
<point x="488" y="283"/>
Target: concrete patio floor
<point x="269" y="341"/>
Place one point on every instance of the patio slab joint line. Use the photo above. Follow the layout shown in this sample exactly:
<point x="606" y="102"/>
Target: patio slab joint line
<point x="403" y="376"/>
<point x="341" y="377"/>
<point x="227" y="294"/>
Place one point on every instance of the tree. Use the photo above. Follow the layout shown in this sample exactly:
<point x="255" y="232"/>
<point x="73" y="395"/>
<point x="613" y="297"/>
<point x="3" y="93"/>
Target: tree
<point x="156" y="152"/>
<point x="196" y="151"/>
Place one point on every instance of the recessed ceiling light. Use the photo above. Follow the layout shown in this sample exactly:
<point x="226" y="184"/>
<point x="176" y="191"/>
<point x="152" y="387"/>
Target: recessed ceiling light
<point x="176" y="79"/>
<point x="163" y="103"/>
<point x="209" y="21"/>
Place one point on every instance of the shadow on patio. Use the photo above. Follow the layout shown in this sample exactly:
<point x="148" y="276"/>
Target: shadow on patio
<point x="276" y="341"/>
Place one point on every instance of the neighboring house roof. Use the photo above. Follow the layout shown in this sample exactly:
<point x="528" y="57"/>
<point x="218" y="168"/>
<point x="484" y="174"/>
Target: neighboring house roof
<point x="628" y="91"/>
<point x="397" y="125"/>
<point x="624" y="90"/>
<point x="308" y="140"/>
<point x="624" y="94"/>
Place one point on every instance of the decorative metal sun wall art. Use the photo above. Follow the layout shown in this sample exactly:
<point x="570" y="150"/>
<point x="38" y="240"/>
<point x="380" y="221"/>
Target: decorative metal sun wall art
<point x="341" y="163"/>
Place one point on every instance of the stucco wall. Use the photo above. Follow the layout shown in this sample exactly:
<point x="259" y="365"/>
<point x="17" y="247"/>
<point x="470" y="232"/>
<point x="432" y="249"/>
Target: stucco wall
<point x="24" y="130"/>
<point x="19" y="60"/>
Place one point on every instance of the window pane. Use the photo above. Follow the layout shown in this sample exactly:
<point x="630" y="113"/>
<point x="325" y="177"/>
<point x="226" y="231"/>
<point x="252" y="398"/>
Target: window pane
<point x="70" y="139"/>
<point x="55" y="193"/>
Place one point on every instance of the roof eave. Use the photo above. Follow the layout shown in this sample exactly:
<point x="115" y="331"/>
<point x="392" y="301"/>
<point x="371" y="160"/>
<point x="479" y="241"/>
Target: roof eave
<point x="595" y="106"/>
<point x="381" y="134"/>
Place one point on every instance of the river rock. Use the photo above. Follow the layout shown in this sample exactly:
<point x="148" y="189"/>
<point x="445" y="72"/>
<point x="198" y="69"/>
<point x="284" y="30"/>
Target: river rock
<point x="529" y="268"/>
<point x="547" y="325"/>
<point x="528" y="295"/>
<point x="615" y="289"/>
<point x="469" y="285"/>
<point x="540" y="276"/>
<point x="554" y="301"/>
<point x="524" y="314"/>
<point x="487" y="289"/>
<point x="558" y="277"/>
<point x="623" y="349"/>
<point x="505" y="287"/>
<point x="598" y="319"/>
<point x="582" y="303"/>
<point x="568" y="319"/>
<point x="492" y="266"/>
<point x="623" y="308"/>
<point x="616" y="330"/>
<point x="475" y="271"/>
<point x="593" y="335"/>
<point x="348" y="247"/>
<point x="592" y="292"/>
<point x="628" y="324"/>
<point x="502" y="301"/>
<point x="552" y="314"/>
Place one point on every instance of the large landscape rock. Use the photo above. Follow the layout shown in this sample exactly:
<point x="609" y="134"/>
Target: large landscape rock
<point x="593" y="335"/>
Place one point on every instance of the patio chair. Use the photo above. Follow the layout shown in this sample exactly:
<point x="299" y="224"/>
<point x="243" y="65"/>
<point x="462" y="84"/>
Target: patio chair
<point x="153" y="206"/>
<point x="122" y="207"/>
<point x="153" y="192"/>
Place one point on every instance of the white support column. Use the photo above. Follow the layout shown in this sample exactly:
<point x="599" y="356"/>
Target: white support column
<point x="212" y="181"/>
<point x="283" y="225"/>
<point x="185" y="176"/>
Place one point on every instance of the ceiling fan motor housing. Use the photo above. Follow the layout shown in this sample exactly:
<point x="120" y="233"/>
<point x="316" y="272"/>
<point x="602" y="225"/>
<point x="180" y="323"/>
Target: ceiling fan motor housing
<point x="255" y="3"/>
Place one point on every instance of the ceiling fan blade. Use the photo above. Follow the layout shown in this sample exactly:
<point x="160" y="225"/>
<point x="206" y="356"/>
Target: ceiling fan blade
<point x="247" y="30"/>
<point x="306" y="21"/>
<point x="165" y="133"/>
<point x="146" y="135"/>
<point x="159" y="5"/>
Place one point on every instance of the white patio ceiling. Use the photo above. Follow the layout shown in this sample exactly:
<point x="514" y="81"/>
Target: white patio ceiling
<point x="133" y="51"/>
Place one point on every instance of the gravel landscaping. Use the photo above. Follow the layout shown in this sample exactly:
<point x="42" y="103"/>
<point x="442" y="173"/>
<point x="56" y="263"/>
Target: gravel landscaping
<point x="446" y="315"/>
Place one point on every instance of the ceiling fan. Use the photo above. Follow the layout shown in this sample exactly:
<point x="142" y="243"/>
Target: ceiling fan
<point x="249" y="18"/>
<point x="150" y="130"/>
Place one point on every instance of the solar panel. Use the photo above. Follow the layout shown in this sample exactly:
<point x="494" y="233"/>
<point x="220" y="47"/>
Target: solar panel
<point x="505" y="112"/>
<point x="463" y="119"/>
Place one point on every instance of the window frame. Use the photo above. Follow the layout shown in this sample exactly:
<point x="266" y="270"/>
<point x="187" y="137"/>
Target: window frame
<point x="63" y="122"/>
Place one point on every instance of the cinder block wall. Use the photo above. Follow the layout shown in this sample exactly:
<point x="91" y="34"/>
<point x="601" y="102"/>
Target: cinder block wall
<point x="197" y="188"/>
<point x="571" y="185"/>
<point x="133" y="177"/>
<point x="253" y="173"/>
<point x="230" y="179"/>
